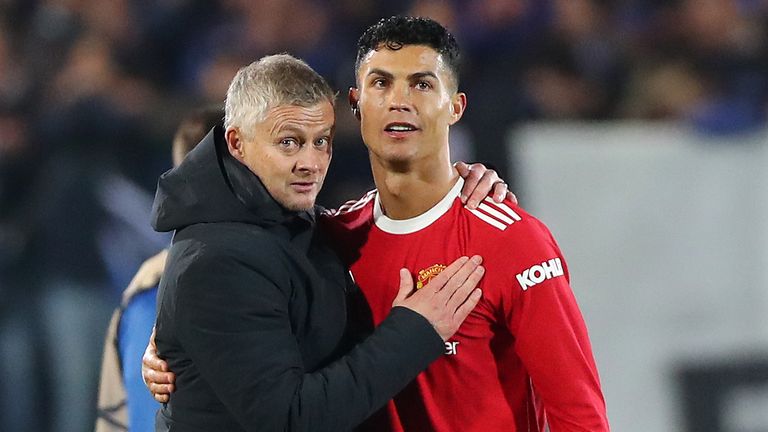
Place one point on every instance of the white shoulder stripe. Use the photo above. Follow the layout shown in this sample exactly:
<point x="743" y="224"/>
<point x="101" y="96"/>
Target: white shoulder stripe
<point x="496" y="214"/>
<point x="493" y="212"/>
<point x="505" y="208"/>
<point x="489" y="219"/>
<point x="352" y="205"/>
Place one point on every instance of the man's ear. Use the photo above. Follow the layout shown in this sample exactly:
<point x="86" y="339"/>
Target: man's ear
<point x="234" y="143"/>
<point x="458" y="105"/>
<point x="354" y="99"/>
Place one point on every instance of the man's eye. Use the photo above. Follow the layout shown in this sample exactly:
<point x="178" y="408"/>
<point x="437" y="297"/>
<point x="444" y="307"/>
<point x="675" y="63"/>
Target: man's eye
<point x="423" y="85"/>
<point x="322" y="142"/>
<point x="288" y="143"/>
<point x="379" y="82"/>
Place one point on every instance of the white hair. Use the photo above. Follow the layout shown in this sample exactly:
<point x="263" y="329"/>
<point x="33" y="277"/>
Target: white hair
<point x="272" y="81"/>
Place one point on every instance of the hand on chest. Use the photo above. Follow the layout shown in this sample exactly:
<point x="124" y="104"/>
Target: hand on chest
<point x="425" y="256"/>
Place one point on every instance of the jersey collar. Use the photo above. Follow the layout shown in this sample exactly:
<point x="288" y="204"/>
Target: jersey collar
<point x="408" y="226"/>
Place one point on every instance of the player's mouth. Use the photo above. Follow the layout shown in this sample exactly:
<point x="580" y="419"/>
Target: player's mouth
<point x="304" y="187"/>
<point x="400" y="130"/>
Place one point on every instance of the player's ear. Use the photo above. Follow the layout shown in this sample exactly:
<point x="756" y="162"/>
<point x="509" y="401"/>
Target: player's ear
<point x="458" y="105"/>
<point x="235" y="143"/>
<point x="354" y="99"/>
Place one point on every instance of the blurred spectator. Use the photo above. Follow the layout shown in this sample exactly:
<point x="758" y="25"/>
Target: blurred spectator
<point x="20" y="348"/>
<point x="15" y="84"/>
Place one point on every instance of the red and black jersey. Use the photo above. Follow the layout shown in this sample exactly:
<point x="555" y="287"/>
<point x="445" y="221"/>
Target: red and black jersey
<point x="522" y="359"/>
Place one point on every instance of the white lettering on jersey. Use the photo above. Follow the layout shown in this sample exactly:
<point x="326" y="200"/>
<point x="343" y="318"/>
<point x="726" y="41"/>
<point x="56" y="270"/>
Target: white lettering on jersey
<point x="539" y="273"/>
<point x="496" y="214"/>
<point x="451" y="348"/>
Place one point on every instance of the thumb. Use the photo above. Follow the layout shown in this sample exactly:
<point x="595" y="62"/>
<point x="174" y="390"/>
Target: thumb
<point x="152" y="339"/>
<point x="406" y="285"/>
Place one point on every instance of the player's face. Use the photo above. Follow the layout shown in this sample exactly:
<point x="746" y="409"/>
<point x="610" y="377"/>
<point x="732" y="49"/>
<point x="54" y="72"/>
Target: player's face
<point x="290" y="152"/>
<point x="407" y="102"/>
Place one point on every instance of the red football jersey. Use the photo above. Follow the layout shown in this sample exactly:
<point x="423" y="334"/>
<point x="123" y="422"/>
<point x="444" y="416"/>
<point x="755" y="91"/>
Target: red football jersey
<point x="522" y="359"/>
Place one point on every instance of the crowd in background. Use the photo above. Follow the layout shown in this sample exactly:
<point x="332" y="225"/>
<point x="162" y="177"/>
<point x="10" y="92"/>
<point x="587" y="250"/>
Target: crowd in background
<point x="91" y="91"/>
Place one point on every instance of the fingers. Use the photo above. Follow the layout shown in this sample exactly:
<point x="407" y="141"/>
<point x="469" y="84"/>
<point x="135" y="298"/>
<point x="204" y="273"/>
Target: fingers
<point x="500" y="190"/>
<point x="486" y="185"/>
<point x="154" y="371"/>
<point x="462" y="302"/>
<point x="464" y="310"/>
<point x="442" y="279"/>
<point x="480" y="182"/>
<point x="161" y="392"/>
<point x="159" y="382"/>
<point x="152" y="362"/>
<point x="155" y="379"/>
<point x="406" y="286"/>
<point x="471" y="175"/>
<point x="512" y="197"/>
<point x="448" y="298"/>
<point x="467" y="287"/>
<point x="458" y="279"/>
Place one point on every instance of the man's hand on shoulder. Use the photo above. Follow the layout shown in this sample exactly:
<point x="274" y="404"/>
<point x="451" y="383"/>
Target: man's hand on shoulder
<point x="480" y="182"/>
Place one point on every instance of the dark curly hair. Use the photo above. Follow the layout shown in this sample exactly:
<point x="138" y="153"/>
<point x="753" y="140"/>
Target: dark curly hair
<point x="398" y="31"/>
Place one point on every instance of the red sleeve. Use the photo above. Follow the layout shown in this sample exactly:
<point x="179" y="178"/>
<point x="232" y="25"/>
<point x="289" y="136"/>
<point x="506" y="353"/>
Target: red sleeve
<point x="550" y="334"/>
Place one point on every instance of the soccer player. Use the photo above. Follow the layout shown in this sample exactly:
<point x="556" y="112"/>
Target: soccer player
<point x="522" y="360"/>
<point x="252" y="308"/>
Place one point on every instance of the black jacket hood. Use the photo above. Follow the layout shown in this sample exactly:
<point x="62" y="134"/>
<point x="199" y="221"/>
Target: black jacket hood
<point x="212" y="186"/>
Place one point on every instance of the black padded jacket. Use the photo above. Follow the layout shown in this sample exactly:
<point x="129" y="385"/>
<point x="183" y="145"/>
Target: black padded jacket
<point x="252" y="311"/>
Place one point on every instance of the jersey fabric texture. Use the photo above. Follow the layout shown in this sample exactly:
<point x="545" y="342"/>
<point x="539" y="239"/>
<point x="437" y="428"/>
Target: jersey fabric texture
<point x="522" y="359"/>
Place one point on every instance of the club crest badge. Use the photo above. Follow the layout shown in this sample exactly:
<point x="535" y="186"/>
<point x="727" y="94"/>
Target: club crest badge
<point x="427" y="274"/>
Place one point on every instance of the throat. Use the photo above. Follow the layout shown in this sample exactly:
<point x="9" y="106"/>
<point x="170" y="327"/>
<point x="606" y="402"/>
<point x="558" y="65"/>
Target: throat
<point x="405" y="196"/>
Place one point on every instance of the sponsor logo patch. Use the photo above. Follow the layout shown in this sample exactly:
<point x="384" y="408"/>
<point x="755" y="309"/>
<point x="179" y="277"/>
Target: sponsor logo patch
<point x="539" y="273"/>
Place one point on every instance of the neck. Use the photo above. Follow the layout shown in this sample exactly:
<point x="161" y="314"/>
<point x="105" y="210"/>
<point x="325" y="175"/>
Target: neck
<point x="409" y="189"/>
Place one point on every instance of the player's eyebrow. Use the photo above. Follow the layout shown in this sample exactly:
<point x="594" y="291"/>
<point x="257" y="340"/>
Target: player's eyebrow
<point x="425" y="74"/>
<point x="412" y="77"/>
<point x="297" y="129"/>
<point x="380" y="72"/>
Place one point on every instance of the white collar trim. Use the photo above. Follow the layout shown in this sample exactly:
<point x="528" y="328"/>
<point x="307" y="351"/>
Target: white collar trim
<point x="408" y="226"/>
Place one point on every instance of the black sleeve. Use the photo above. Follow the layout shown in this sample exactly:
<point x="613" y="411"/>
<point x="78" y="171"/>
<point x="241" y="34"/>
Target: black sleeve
<point x="233" y="322"/>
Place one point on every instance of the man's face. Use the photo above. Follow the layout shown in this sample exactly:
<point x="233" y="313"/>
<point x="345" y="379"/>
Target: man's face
<point x="407" y="101"/>
<point x="289" y="151"/>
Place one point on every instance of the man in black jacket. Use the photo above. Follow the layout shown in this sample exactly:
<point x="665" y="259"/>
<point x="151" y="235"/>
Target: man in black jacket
<point x="253" y="304"/>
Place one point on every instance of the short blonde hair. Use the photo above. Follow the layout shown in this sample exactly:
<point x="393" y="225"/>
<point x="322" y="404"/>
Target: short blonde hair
<point x="272" y="81"/>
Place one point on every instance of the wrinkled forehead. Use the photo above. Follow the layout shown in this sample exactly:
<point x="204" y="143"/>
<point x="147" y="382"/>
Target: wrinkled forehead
<point x="316" y="117"/>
